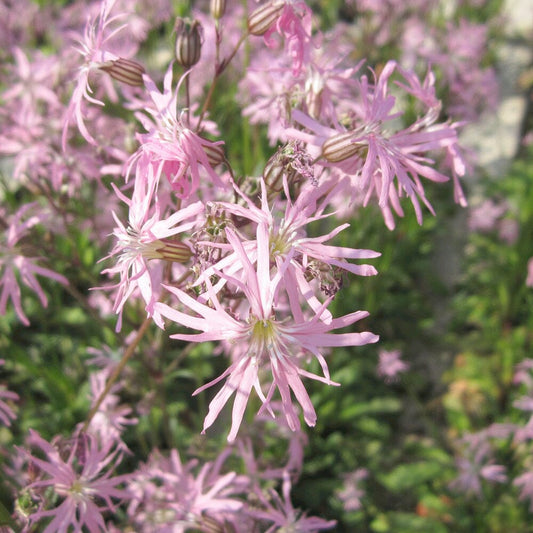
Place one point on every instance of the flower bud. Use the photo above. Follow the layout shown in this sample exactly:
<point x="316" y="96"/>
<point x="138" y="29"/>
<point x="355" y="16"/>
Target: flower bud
<point x="340" y="147"/>
<point x="188" y="41"/>
<point x="125" y="70"/>
<point x="260" y="21"/>
<point x="314" y="87"/>
<point x="218" y="7"/>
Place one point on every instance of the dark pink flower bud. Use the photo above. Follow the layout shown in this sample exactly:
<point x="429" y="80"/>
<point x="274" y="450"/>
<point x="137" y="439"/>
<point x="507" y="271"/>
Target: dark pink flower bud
<point x="260" y="21"/>
<point x="125" y="70"/>
<point x="188" y="41"/>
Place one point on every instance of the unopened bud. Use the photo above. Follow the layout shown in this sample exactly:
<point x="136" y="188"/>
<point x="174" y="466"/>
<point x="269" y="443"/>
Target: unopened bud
<point x="218" y="8"/>
<point x="260" y="21"/>
<point x="125" y="70"/>
<point x="314" y="88"/>
<point x="340" y="147"/>
<point x="313" y="101"/>
<point x="188" y="41"/>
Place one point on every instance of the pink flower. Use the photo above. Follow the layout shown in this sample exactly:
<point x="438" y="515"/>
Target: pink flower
<point x="390" y="365"/>
<point x="272" y="89"/>
<point x="33" y="80"/>
<point x="279" y="511"/>
<point x="109" y="421"/>
<point x="293" y="23"/>
<point x="302" y="258"/>
<point x="374" y="156"/>
<point x="171" y="147"/>
<point x="525" y="482"/>
<point x="147" y="237"/>
<point x="484" y="217"/>
<point x="169" y="496"/>
<point x="84" y="481"/>
<point x="95" y="52"/>
<point x="476" y="464"/>
<point x="351" y="493"/>
<point x="261" y="339"/>
<point x="13" y="261"/>
<point x="6" y="413"/>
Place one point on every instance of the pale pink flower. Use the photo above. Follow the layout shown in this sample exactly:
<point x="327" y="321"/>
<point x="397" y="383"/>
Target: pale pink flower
<point x="168" y="496"/>
<point x="472" y="87"/>
<point x="523" y="373"/>
<point x="6" y="413"/>
<point x="484" y="216"/>
<point x="351" y="492"/>
<point x="109" y="421"/>
<point x="13" y="261"/>
<point x="15" y="22"/>
<point x="279" y="511"/>
<point x="146" y="238"/>
<point x="171" y="147"/>
<point x="374" y="155"/>
<point x="84" y="481"/>
<point x="476" y="464"/>
<point x="95" y="52"/>
<point x="272" y="89"/>
<point x="33" y="80"/>
<point x="524" y="433"/>
<point x="525" y="482"/>
<point x="294" y="25"/>
<point x="390" y="365"/>
<point x="310" y="257"/>
<point x="262" y="340"/>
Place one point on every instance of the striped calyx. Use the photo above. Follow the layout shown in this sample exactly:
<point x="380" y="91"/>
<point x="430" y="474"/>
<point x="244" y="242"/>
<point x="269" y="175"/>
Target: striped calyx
<point x="124" y="70"/>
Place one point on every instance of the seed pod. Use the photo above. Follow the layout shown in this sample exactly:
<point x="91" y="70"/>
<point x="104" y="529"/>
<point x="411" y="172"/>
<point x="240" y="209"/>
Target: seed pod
<point x="125" y="70"/>
<point x="339" y="147"/>
<point x="273" y="173"/>
<point x="260" y="21"/>
<point x="188" y="41"/>
<point x="279" y="164"/>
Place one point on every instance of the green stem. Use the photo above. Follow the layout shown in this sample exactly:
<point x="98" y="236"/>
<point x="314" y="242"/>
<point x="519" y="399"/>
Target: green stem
<point x="219" y="69"/>
<point x="116" y="373"/>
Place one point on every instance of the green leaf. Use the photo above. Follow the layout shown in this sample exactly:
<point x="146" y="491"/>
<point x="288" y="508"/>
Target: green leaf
<point x="409" y="476"/>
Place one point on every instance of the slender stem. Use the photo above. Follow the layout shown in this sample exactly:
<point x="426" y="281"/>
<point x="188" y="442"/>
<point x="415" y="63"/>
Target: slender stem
<point x="116" y="373"/>
<point x="188" y="100"/>
<point x="219" y="69"/>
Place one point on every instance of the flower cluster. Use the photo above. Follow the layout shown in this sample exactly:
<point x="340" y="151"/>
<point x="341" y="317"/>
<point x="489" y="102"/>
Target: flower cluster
<point x="242" y="257"/>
